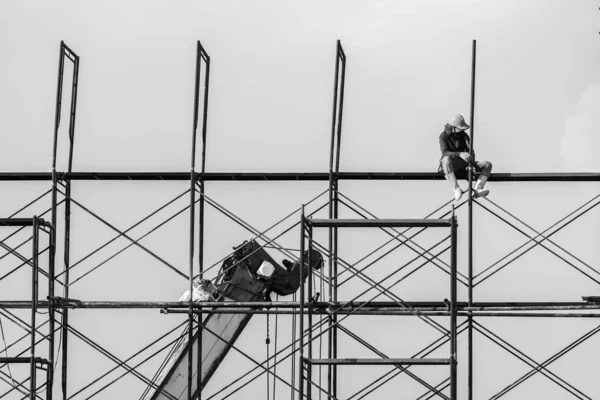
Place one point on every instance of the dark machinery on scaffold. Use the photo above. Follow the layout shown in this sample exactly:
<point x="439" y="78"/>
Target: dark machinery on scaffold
<point x="249" y="275"/>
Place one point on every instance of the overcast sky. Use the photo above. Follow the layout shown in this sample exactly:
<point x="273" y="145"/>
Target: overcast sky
<point x="272" y="66"/>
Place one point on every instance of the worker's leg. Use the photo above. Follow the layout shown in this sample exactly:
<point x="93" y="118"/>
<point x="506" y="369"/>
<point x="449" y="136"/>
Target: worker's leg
<point x="448" y="168"/>
<point x="485" y="169"/>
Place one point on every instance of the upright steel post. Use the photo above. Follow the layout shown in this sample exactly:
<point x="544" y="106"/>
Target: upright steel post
<point x="334" y="169"/>
<point x="61" y="67"/>
<point x="34" y="304"/>
<point x="453" y="309"/>
<point x="330" y="335"/>
<point x="310" y="301"/>
<point x="49" y="373"/>
<point x="201" y="210"/>
<point x="301" y="358"/>
<point x="67" y="237"/>
<point x="470" y="276"/>
<point x="51" y="315"/>
<point x="191" y="249"/>
<point x="206" y="59"/>
<point x="191" y="288"/>
<point x="200" y="55"/>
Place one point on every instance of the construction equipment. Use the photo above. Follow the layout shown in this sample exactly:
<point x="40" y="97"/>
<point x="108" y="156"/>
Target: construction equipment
<point x="249" y="275"/>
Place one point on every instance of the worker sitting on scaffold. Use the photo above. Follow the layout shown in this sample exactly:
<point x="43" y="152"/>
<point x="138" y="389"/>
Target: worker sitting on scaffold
<point x="454" y="145"/>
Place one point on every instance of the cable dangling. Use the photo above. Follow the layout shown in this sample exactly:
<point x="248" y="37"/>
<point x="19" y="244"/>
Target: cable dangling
<point x="275" y="352"/>
<point x="267" y="342"/>
<point x="293" y="377"/>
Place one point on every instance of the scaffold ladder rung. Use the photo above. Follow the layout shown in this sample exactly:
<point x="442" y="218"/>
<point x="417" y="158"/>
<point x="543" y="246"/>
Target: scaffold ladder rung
<point x="378" y="361"/>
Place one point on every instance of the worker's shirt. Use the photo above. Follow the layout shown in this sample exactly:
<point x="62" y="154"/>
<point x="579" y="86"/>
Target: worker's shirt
<point x="452" y="144"/>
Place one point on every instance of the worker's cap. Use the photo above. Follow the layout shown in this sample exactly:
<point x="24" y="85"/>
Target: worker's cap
<point x="458" y="122"/>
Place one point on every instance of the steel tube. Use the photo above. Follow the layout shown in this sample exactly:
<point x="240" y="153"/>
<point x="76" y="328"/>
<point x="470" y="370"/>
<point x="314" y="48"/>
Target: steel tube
<point x="309" y="307"/>
<point x="379" y="223"/>
<point x="397" y="312"/>
<point x="66" y="283"/>
<point x="217" y="306"/>
<point x="23" y="360"/>
<point x="302" y="303"/>
<point x="16" y="222"/>
<point x="191" y="230"/>
<point x="34" y="299"/>
<point x="51" y="314"/>
<point x="206" y="58"/>
<point x="470" y="294"/>
<point x="67" y="237"/>
<point x="331" y="339"/>
<point x="191" y="288"/>
<point x="453" y="309"/>
<point x="379" y="361"/>
<point x="294" y="176"/>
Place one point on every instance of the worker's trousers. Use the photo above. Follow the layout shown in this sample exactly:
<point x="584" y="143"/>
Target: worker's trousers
<point x="459" y="166"/>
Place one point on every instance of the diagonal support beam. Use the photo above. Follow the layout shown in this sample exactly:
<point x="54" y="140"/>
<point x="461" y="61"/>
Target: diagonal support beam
<point x="399" y="236"/>
<point x="541" y="234"/>
<point x="530" y="361"/>
<point x="172" y="217"/>
<point x="398" y="367"/>
<point x="383" y="379"/>
<point x="439" y="387"/>
<point x="386" y="291"/>
<point x="128" y="238"/>
<point x="532" y="239"/>
<point x="547" y="362"/>
<point x="135" y="225"/>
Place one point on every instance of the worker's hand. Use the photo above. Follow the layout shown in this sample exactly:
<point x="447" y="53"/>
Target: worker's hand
<point x="287" y="263"/>
<point x="465" y="156"/>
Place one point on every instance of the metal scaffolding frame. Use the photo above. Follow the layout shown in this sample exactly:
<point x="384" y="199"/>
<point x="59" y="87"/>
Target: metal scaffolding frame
<point x="37" y="225"/>
<point x="306" y="363"/>
<point x="331" y="310"/>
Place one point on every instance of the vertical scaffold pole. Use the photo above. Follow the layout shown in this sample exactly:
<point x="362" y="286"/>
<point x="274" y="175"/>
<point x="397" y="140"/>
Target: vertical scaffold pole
<point x="206" y="59"/>
<point x="453" y="310"/>
<point x="191" y="249"/>
<point x="330" y="335"/>
<point x="310" y="321"/>
<point x="470" y="318"/>
<point x="301" y="358"/>
<point x="34" y="304"/>
<point x="58" y="106"/>
<point x="51" y="314"/>
<point x="67" y="234"/>
<point x="334" y="168"/>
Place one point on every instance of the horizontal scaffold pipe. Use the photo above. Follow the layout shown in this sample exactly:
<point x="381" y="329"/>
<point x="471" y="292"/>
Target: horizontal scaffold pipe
<point x="292" y="308"/>
<point x="23" y="360"/>
<point x="22" y="222"/>
<point x="16" y="221"/>
<point x="336" y="305"/>
<point x="292" y="176"/>
<point x="379" y="223"/>
<point x="377" y="361"/>
<point x="400" y="313"/>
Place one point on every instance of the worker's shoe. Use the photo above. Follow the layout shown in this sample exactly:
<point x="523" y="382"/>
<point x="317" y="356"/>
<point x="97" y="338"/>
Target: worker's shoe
<point x="457" y="194"/>
<point x="480" y="192"/>
<point x="479" y="187"/>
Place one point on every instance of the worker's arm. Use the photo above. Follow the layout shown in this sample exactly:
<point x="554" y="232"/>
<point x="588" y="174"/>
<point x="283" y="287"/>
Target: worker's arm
<point x="468" y="145"/>
<point x="445" y="147"/>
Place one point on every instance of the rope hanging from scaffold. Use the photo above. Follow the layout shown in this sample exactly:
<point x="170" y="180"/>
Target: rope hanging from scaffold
<point x="275" y="351"/>
<point x="268" y="342"/>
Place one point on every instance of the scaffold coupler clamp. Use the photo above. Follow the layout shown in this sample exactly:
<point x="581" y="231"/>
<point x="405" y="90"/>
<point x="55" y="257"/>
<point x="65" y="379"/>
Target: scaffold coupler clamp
<point x="64" y="302"/>
<point x="592" y="299"/>
<point x="448" y="304"/>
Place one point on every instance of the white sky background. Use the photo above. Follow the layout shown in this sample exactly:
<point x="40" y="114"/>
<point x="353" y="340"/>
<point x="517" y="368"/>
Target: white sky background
<point x="272" y="64"/>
